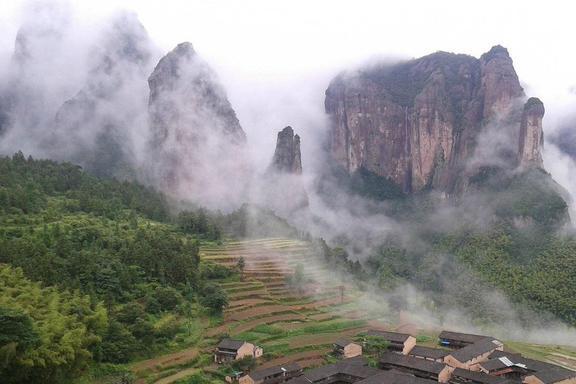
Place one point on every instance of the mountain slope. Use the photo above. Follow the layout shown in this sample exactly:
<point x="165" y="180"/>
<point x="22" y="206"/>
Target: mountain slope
<point x="122" y="275"/>
<point x="431" y="122"/>
<point x="196" y="138"/>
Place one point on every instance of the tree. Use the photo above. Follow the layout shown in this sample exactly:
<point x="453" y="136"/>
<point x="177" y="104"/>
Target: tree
<point x="214" y="298"/>
<point x="297" y="279"/>
<point x="244" y="364"/>
<point x="375" y="345"/>
<point x="240" y="264"/>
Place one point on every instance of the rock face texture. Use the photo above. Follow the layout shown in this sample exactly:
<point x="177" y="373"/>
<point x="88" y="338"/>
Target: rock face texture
<point x="287" y="157"/>
<point x="531" y="134"/>
<point x="196" y="139"/>
<point x="419" y="123"/>
<point x="282" y="187"/>
<point x="96" y="128"/>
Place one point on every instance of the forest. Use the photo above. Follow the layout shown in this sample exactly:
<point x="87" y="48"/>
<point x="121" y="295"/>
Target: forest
<point x="94" y="271"/>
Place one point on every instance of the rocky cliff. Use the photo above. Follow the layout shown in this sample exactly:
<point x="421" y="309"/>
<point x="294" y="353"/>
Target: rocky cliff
<point x="422" y="123"/>
<point x="531" y="134"/>
<point x="96" y="127"/>
<point x="196" y="142"/>
<point x="282" y="186"/>
<point x="287" y="157"/>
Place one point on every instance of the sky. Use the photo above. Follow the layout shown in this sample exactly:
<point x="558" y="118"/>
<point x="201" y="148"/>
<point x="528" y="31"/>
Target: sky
<point x="276" y="58"/>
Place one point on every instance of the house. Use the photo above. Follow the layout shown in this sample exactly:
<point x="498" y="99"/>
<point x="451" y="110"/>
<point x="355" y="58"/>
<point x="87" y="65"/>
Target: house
<point x="555" y="375"/>
<point x="398" y="342"/>
<point x="229" y="350"/>
<point x="345" y="349"/>
<point x="457" y="340"/>
<point x="464" y="376"/>
<point x="272" y="375"/>
<point x="422" y="368"/>
<point x="347" y="371"/>
<point x="427" y="353"/>
<point x="395" y="377"/>
<point x="509" y="365"/>
<point x="469" y="356"/>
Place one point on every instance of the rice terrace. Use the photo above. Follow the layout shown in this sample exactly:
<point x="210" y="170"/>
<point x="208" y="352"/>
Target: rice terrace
<point x="292" y="324"/>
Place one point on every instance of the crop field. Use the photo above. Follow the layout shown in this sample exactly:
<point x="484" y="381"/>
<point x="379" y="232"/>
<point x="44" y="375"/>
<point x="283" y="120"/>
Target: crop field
<point x="291" y="323"/>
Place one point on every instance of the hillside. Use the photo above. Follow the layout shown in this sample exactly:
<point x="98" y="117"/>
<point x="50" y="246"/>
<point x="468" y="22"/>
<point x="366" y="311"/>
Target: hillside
<point x="98" y="271"/>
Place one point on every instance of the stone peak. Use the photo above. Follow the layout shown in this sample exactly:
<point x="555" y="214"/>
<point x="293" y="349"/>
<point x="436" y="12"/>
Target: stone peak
<point x="287" y="157"/>
<point x="534" y="105"/>
<point x="496" y="51"/>
<point x="184" y="49"/>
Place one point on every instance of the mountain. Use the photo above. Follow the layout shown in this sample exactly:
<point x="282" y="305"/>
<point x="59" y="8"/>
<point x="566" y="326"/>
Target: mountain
<point x="287" y="157"/>
<point x="98" y="126"/>
<point x="433" y="122"/>
<point x="196" y="138"/>
<point x="36" y="84"/>
<point x="282" y="186"/>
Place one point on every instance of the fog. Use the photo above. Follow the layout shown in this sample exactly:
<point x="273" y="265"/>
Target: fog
<point x="274" y="61"/>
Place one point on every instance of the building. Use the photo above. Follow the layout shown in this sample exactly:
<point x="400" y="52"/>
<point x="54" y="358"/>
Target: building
<point x="347" y="371"/>
<point x="469" y="356"/>
<point x="509" y="365"/>
<point x="427" y="353"/>
<point x="346" y="349"/>
<point x="395" y="377"/>
<point x="464" y="376"/>
<point x="458" y="340"/>
<point x="229" y="350"/>
<point x="422" y="368"/>
<point x="398" y="342"/>
<point x="272" y="375"/>
<point x="555" y="375"/>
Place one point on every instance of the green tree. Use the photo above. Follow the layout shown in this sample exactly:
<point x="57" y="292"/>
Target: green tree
<point x="214" y="298"/>
<point x="240" y="265"/>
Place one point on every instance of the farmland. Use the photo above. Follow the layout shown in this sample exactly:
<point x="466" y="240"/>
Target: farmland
<point x="292" y="323"/>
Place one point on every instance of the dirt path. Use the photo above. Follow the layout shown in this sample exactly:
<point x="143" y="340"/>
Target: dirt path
<point x="322" y="338"/>
<point x="266" y="320"/>
<point x="258" y="311"/>
<point x="166" y="361"/>
<point x="177" y="376"/>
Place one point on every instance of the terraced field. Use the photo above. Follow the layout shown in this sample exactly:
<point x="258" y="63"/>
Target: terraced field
<point x="290" y="323"/>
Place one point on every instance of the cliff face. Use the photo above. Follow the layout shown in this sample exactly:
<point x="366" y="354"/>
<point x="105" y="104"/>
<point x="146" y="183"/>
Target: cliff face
<point x="287" y="157"/>
<point x="418" y="123"/>
<point x="282" y="187"/>
<point x="96" y="126"/>
<point x="196" y="139"/>
<point x="531" y="134"/>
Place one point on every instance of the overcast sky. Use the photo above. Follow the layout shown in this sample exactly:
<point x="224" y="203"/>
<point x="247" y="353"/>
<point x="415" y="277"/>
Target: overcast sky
<point x="276" y="57"/>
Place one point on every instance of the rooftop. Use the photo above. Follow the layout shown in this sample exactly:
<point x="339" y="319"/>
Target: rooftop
<point x="395" y="377"/>
<point x="428" y="352"/>
<point x="262" y="373"/>
<point x="463" y="337"/>
<point x="351" y="367"/>
<point x="343" y="342"/>
<point x="504" y="361"/>
<point x="231" y="344"/>
<point x="478" y="377"/>
<point x="390" y="336"/>
<point x="411" y="362"/>
<point x="474" y="350"/>
<point x="554" y="375"/>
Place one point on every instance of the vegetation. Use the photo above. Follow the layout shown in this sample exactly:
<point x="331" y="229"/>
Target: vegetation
<point x="94" y="270"/>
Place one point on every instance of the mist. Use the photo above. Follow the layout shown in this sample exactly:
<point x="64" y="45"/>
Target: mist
<point x="274" y="73"/>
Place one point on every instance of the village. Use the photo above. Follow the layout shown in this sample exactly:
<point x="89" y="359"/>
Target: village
<point x="325" y="330"/>
<point x="460" y="358"/>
